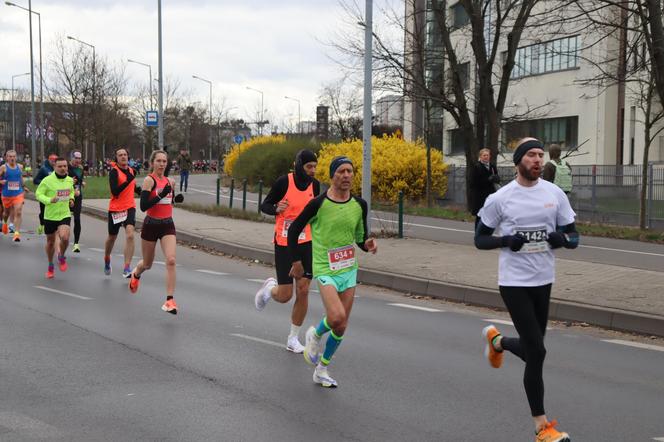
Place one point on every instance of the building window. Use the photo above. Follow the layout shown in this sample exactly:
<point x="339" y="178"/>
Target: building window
<point x="550" y="56"/>
<point x="459" y="16"/>
<point x="562" y="131"/>
<point x="457" y="142"/>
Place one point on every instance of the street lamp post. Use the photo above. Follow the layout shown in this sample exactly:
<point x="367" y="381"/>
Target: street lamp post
<point x="41" y="81"/>
<point x="94" y="75"/>
<point x="299" y="115"/>
<point x="210" y="116"/>
<point x="260" y="123"/>
<point x="160" y="120"/>
<point x="151" y="106"/>
<point x="13" y="112"/>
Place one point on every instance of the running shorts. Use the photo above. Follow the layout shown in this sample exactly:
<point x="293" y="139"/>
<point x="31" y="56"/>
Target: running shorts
<point x="283" y="263"/>
<point x="51" y="227"/>
<point x="115" y="221"/>
<point x="12" y="201"/>
<point x="155" y="228"/>
<point x="341" y="282"/>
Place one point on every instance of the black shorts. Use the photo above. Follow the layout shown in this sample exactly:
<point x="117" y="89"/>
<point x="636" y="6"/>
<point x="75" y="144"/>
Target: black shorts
<point x="114" y="229"/>
<point x="51" y="227"/>
<point x="154" y="229"/>
<point x="282" y="262"/>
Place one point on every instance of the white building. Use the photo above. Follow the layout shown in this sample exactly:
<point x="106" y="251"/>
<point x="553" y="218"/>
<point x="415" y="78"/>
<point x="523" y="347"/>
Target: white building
<point x="389" y="111"/>
<point x="550" y="67"/>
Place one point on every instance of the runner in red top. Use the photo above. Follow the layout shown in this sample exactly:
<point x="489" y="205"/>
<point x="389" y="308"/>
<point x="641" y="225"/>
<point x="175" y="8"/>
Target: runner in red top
<point x="157" y="201"/>
<point x="121" y="209"/>
<point x="287" y="197"/>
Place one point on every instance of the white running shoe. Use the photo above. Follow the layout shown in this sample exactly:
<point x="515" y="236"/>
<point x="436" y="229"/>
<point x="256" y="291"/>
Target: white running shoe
<point x="263" y="294"/>
<point x="294" y="345"/>
<point x="322" y="377"/>
<point x="311" y="346"/>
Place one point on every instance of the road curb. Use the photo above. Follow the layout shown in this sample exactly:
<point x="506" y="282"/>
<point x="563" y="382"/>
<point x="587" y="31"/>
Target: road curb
<point x="561" y="310"/>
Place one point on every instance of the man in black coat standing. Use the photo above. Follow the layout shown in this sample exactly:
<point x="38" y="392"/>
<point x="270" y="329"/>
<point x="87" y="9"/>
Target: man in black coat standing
<point x="483" y="182"/>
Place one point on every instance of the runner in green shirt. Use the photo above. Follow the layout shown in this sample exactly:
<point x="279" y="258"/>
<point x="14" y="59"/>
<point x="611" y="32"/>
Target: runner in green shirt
<point x="338" y="222"/>
<point x="56" y="192"/>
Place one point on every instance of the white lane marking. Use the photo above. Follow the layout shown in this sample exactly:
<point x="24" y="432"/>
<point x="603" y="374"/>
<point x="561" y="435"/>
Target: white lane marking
<point x="94" y="249"/>
<point x="162" y="263"/>
<point x="221" y="195"/>
<point x="211" y="272"/>
<point x="48" y="289"/>
<point x="262" y="341"/>
<point x="635" y="344"/>
<point x="415" y="307"/>
<point x="660" y="439"/>
<point x="256" y="280"/>
<point x="499" y="321"/>
<point x="608" y="249"/>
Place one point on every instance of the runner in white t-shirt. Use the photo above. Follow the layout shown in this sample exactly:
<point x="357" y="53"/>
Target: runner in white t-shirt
<point x="532" y="216"/>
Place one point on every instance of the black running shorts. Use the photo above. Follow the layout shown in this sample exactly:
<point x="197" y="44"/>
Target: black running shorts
<point x="113" y="228"/>
<point x="154" y="229"/>
<point x="282" y="262"/>
<point x="50" y="227"/>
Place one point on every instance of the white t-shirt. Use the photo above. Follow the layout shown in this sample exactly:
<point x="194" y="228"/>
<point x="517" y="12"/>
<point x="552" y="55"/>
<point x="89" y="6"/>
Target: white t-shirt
<point x="534" y="211"/>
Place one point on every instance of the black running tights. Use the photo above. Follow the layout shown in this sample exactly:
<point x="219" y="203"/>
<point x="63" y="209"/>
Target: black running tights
<point x="529" y="309"/>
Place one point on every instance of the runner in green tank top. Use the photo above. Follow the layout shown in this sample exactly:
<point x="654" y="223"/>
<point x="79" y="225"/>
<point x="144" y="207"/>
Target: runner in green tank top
<point x="338" y="222"/>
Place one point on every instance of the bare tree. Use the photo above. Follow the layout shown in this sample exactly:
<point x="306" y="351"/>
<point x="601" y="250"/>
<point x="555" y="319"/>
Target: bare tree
<point x="345" y="103"/>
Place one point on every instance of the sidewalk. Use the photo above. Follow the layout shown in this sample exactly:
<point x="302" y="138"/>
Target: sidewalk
<point x="609" y="296"/>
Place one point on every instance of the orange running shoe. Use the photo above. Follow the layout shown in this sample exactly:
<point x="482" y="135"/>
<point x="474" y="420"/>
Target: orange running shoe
<point x="17" y="237"/>
<point x="550" y="434"/>
<point x="494" y="356"/>
<point x="50" y="273"/>
<point x="133" y="283"/>
<point x="5" y="228"/>
<point x="62" y="263"/>
<point x="170" y="306"/>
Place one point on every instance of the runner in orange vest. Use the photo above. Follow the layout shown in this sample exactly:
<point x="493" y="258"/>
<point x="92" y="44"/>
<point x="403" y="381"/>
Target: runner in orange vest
<point x="287" y="197"/>
<point x="121" y="209"/>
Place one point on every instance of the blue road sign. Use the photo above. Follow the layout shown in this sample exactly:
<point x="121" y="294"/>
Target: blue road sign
<point x="238" y="139"/>
<point x="152" y="118"/>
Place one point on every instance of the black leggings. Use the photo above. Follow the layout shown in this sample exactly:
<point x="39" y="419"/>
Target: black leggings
<point x="529" y="309"/>
<point x="76" y="212"/>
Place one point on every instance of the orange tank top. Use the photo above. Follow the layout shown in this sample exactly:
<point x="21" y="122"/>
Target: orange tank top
<point x="164" y="208"/>
<point x="297" y="199"/>
<point x="125" y="200"/>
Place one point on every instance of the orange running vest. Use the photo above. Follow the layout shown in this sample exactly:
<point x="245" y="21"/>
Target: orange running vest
<point x="125" y="200"/>
<point x="297" y="199"/>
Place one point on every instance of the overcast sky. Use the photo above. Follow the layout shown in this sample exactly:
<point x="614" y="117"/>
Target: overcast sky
<point x="271" y="45"/>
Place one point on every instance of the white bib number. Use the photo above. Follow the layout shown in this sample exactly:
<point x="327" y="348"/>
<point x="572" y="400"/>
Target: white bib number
<point x="119" y="217"/>
<point x="341" y="258"/>
<point x="284" y="231"/>
<point x="536" y="236"/>
<point x="13" y="185"/>
<point x="63" y="195"/>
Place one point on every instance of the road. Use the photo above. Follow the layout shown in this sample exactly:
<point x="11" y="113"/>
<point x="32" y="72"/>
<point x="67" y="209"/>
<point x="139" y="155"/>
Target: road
<point x="639" y="255"/>
<point x="84" y="360"/>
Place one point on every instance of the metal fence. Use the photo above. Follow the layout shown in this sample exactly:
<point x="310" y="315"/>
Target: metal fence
<point x="601" y="194"/>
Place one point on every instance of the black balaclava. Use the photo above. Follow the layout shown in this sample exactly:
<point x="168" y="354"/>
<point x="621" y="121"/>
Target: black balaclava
<point x="303" y="157"/>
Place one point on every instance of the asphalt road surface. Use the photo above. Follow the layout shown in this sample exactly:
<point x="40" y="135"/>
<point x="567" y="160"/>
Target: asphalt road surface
<point x="81" y="359"/>
<point x="640" y="255"/>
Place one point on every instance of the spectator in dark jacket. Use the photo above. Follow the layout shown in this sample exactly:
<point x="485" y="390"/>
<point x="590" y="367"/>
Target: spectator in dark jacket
<point x="483" y="182"/>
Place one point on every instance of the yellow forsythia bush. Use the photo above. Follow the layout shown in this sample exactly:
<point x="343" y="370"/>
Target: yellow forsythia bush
<point x="396" y="165"/>
<point x="232" y="156"/>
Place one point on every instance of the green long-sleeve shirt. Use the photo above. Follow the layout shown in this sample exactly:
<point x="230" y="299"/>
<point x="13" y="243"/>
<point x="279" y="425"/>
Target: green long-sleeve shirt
<point x="50" y="187"/>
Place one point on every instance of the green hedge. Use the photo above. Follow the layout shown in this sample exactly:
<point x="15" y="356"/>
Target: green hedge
<point x="269" y="161"/>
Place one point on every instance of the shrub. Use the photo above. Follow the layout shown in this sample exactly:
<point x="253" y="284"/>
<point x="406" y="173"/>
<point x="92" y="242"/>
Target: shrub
<point x="267" y="158"/>
<point x="231" y="157"/>
<point x="396" y="165"/>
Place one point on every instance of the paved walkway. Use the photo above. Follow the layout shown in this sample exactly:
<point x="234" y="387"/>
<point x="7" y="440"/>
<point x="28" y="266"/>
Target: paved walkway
<point x="580" y="282"/>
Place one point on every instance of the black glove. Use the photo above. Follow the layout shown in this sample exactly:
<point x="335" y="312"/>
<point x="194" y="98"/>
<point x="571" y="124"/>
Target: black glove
<point x="178" y="198"/>
<point x="137" y="190"/>
<point x="514" y="242"/>
<point x="495" y="179"/>
<point x="165" y="191"/>
<point x="556" y="240"/>
<point x="130" y="177"/>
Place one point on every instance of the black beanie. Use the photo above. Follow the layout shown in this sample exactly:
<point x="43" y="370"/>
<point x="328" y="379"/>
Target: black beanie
<point x="524" y="147"/>
<point x="338" y="161"/>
